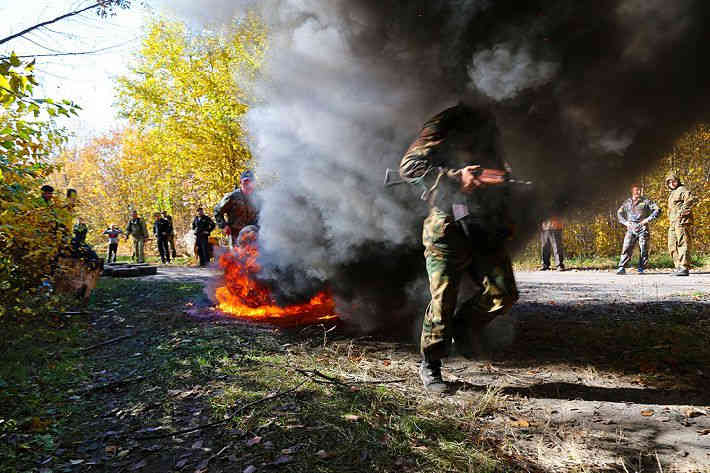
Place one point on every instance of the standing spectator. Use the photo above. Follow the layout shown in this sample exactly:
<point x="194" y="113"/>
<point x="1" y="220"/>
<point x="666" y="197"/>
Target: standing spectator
<point x="80" y="231"/>
<point x="113" y="232"/>
<point x="202" y="225"/>
<point x="137" y="229"/>
<point x="680" y="219"/>
<point x="161" y="230"/>
<point x="635" y="214"/>
<point x="171" y="240"/>
<point x="551" y="239"/>
<point x="47" y="193"/>
<point x="241" y="208"/>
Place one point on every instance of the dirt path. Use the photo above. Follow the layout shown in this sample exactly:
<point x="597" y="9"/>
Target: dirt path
<point x="595" y="368"/>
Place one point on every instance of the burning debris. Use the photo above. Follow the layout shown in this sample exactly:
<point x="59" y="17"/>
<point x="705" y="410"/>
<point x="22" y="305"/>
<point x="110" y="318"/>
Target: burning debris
<point x="244" y="296"/>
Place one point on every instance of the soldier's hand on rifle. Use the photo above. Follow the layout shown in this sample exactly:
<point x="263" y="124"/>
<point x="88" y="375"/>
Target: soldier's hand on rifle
<point x="469" y="178"/>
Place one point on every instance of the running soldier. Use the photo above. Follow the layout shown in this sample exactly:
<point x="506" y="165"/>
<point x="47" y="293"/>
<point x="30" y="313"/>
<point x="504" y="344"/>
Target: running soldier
<point x="635" y="214"/>
<point x="680" y="219"/>
<point x="464" y="233"/>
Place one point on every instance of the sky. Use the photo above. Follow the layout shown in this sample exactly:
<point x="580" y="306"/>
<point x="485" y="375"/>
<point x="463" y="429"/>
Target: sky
<point x="85" y="79"/>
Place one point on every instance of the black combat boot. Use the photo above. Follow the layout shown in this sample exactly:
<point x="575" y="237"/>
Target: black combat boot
<point x="430" y="374"/>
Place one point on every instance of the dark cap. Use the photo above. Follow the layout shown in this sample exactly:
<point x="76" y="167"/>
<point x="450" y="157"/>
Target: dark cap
<point x="47" y="188"/>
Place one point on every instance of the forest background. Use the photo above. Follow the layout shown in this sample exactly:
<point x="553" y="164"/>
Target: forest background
<point x="186" y="144"/>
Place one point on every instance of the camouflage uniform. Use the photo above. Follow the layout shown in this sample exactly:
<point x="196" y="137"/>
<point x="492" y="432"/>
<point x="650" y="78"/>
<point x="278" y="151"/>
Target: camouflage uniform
<point x="680" y="219"/>
<point x="455" y="138"/>
<point x="137" y="229"/>
<point x="241" y="210"/>
<point x="636" y="216"/>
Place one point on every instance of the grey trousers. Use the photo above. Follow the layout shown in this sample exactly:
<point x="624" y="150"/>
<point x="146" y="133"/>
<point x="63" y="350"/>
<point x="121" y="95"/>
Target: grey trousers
<point x="627" y="251"/>
<point x="552" y="242"/>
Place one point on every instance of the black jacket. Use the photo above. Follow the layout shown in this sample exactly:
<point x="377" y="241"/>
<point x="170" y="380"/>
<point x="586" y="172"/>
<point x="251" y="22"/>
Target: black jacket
<point x="162" y="228"/>
<point x="203" y="225"/>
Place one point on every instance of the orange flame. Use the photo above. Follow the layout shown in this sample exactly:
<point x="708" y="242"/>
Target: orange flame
<point x="244" y="297"/>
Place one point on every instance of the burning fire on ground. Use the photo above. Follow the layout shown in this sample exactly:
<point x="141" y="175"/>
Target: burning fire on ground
<point x="244" y="297"/>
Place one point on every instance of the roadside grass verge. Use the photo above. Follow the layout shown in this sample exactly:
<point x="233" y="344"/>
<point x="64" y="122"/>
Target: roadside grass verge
<point x="529" y="262"/>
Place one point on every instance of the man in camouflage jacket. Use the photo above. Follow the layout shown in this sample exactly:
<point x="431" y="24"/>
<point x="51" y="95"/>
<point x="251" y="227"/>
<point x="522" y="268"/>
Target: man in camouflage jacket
<point x="137" y="229"/>
<point x="241" y="207"/>
<point x="680" y="219"/>
<point x="464" y="232"/>
<point x="635" y="214"/>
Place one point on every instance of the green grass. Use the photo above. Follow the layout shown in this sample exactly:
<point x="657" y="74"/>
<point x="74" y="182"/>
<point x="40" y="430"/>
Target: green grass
<point x="529" y="262"/>
<point x="198" y="372"/>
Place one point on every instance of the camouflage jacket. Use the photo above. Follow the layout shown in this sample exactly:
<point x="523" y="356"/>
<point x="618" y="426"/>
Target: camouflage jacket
<point x="239" y="209"/>
<point x="680" y="205"/>
<point x="136" y="227"/>
<point x="457" y="137"/>
<point x="632" y="215"/>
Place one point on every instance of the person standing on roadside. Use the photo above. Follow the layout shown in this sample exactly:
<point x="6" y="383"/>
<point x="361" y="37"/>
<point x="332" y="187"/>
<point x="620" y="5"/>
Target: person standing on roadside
<point x="680" y="220"/>
<point x="161" y="230"/>
<point x="171" y="239"/>
<point x="240" y="207"/>
<point x="551" y="240"/>
<point x="202" y="225"/>
<point x="137" y="229"/>
<point x="635" y="214"/>
<point x="112" y="232"/>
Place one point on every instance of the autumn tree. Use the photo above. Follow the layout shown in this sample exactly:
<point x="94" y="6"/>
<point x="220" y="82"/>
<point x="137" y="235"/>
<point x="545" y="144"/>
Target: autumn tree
<point x="188" y="95"/>
<point x="31" y="232"/>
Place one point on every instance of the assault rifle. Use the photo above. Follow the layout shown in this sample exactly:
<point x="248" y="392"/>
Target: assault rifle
<point x="484" y="174"/>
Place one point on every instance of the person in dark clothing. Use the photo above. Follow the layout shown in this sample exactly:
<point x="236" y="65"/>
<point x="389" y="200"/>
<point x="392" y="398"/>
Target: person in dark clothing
<point x="202" y="225"/>
<point x="161" y="230"/>
<point x="241" y="208"/>
<point x="80" y="232"/>
<point x="171" y="240"/>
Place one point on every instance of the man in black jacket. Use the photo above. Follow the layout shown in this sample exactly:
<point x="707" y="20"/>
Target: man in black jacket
<point x="162" y="230"/>
<point x="202" y="225"/>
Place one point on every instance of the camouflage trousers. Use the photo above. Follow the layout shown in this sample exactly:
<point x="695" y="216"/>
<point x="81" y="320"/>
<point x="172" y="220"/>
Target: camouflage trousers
<point x="643" y="238"/>
<point x="679" y="244"/>
<point x="449" y="256"/>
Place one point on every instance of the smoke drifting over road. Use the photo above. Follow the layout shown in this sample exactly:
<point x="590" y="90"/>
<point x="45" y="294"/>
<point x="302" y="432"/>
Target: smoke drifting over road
<point x="586" y="94"/>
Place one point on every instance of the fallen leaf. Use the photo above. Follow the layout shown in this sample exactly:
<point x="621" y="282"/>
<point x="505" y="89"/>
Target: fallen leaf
<point x="111" y="449"/>
<point x="182" y="462"/>
<point x="351" y="417"/>
<point x="249" y="469"/>
<point x="197" y="445"/>
<point x="139" y="465"/>
<point x="123" y="453"/>
<point x="522" y="423"/>
<point x="324" y="455"/>
<point x="253" y="441"/>
<point x="38" y="425"/>
<point x="647" y="413"/>
<point x="202" y="467"/>
<point x="290" y="450"/>
<point x="691" y="412"/>
<point x="283" y="459"/>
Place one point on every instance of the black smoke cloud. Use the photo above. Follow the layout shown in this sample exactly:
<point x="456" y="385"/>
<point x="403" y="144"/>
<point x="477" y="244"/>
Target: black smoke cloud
<point x="586" y="93"/>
